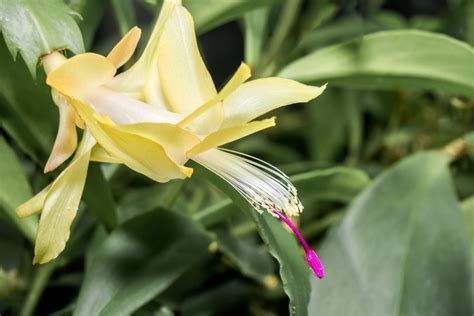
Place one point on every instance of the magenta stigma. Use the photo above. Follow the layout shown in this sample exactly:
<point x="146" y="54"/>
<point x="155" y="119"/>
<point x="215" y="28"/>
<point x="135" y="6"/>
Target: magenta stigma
<point x="311" y="256"/>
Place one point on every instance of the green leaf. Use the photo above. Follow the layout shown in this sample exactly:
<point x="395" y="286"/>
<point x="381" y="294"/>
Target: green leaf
<point x="402" y="248"/>
<point x="124" y="14"/>
<point x="391" y="60"/>
<point x="247" y="257"/>
<point x="467" y="207"/>
<point x="281" y="244"/>
<point x="27" y="111"/>
<point x="344" y="129"/>
<point x="469" y="138"/>
<point x="335" y="184"/>
<point x="139" y="201"/>
<point x="209" y="14"/>
<point x="92" y="12"/>
<point x="138" y="261"/>
<point x="223" y="299"/>
<point x="255" y="34"/>
<point x="317" y="13"/>
<point x="35" y="28"/>
<point x="98" y="197"/>
<point x="14" y="190"/>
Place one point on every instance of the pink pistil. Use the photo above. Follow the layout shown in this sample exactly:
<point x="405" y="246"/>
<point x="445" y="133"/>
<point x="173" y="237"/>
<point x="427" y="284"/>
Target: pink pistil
<point x="311" y="256"/>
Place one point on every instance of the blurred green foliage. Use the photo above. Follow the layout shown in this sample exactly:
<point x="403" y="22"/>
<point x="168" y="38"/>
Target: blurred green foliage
<point x="383" y="163"/>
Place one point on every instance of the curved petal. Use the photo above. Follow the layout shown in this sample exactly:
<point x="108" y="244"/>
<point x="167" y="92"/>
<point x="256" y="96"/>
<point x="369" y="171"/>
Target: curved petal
<point x="124" y="49"/>
<point x="141" y="81"/>
<point x="142" y="155"/>
<point x="52" y="61"/>
<point x="33" y="205"/>
<point x="184" y="77"/>
<point x="260" y="96"/>
<point x="99" y="154"/>
<point x="61" y="204"/>
<point x="79" y="75"/>
<point x="152" y="45"/>
<point x="152" y="91"/>
<point x="123" y="109"/>
<point x="175" y="140"/>
<point x="230" y="134"/>
<point x="66" y="139"/>
<point x="197" y="121"/>
<point x="138" y="153"/>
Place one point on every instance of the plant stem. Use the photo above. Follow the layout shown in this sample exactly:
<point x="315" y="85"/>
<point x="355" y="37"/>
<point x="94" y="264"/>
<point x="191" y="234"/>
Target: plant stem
<point x="125" y="15"/>
<point x="40" y="280"/>
<point x="285" y="22"/>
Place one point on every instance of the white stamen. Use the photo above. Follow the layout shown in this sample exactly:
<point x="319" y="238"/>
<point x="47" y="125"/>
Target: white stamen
<point x="264" y="186"/>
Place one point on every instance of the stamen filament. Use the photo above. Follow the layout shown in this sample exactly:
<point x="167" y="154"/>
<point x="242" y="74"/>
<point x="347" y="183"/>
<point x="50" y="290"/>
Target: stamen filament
<point x="311" y="256"/>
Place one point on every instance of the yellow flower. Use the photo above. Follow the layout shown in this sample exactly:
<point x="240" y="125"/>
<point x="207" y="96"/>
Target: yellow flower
<point x="153" y="118"/>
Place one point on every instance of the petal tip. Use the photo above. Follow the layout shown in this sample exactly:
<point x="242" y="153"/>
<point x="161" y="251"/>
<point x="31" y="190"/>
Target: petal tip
<point x="188" y="171"/>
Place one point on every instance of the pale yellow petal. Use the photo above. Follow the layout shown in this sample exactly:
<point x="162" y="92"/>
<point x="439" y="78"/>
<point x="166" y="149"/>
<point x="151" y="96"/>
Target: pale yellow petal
<point x="240" y="76"/>
<point x="185" y="80"/>
<point x="33" y="205"/>
<point x="153" y="94"/>
<point x="138" y="153"/>
<point x="61" y="204"/>
<point x="124" y="49"/>
<point x="152" y="45"/>
<point x="66" y="139"/>
<point x="123" y="109"/>
<point x="82" y="73"/>
<point x="230" y="134"/>
<point x="143" y="155"/>
<point x="175" y="140"/>
<point x="100" y="155"/>
<point x="141" y="81"/>
<point x="52" y="61"/>
<point x="260" y="96"/>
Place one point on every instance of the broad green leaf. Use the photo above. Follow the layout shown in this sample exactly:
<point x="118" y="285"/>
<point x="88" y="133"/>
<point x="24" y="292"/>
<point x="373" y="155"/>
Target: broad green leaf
<point x="138" y="261"/>
<point x="140" y="201"/>
<point x="470" y="22"/>
<point x="208" y="14"/>
<point x="335" y="184"/>
<point x="11" y="243"/>
<point x="27" y="112"/>
<point x="35" y="28"/>
<point x="467" y="207"/>
<point x="402" y="248"/>
<point x="228" y="298"/>
<point x="342" y="130"/>
<point x="344" y="29"/>
<point x="281" y="245"/>
<point x="469" y="138"/>
<point x="247" y="257"/>
<point x="391" y="60"/>
<point x="14" y="190"/>
<point x="98" y="197"/>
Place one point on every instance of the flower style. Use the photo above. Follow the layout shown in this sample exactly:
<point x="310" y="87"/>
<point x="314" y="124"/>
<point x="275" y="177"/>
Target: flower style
<point x="154" y="117"/>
